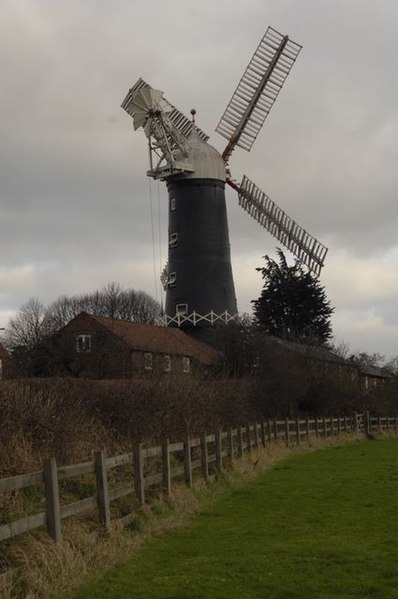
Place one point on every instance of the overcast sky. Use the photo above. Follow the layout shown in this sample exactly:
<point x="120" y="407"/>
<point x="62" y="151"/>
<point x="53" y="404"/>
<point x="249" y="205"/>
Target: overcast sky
<point x="75" y="202"/>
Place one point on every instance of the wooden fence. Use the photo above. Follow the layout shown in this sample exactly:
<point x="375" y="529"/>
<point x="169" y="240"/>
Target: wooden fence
<point x="156" y="467"/>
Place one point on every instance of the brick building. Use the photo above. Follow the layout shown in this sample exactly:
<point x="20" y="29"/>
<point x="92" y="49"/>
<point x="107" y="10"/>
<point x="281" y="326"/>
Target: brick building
<point x="372" y="377"/>
<point x="105" y="348"/>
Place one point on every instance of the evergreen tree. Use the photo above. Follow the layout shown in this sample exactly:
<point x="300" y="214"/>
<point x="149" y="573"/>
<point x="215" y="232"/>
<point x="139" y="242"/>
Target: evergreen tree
<point x="293" y="304"/>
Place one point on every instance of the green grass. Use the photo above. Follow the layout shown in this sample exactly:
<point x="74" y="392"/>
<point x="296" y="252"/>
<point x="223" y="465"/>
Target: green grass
<point x="320" y="525"/>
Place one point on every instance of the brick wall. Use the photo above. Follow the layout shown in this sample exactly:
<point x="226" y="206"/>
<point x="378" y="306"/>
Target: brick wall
<point x="106" y="356"/>
<point x="86" y="349"/>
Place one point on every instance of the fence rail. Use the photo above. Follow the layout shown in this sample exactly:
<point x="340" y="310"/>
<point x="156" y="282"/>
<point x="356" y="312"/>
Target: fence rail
<point x="181" y="460"/>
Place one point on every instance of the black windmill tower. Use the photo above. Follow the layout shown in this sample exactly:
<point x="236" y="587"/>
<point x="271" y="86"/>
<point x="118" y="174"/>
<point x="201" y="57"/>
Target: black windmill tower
<point x="198" y="277"/>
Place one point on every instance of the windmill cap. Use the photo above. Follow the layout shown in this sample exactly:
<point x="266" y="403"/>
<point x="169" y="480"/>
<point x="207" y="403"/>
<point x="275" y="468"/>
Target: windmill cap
<point x="206" y="160"/>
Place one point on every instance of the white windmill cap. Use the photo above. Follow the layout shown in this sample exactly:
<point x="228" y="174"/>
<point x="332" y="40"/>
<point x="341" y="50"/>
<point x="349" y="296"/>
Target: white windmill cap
<point x="206" y="161"/>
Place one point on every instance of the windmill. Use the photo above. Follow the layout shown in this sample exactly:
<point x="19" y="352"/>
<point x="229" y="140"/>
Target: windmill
<point x="198" y="277"/>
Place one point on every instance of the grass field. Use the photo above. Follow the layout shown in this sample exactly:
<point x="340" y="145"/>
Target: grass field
<point x="320" y="525"/>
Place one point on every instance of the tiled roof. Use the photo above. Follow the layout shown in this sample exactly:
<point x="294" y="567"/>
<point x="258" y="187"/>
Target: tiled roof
<point x="373" y="371"/>
<point x="152" y="338"/>
<point x="313" y="352"/>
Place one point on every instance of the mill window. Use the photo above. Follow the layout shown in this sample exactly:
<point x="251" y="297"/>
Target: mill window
<point x="1" y="369"/>
<point x="83" y="343"/>
<point x="173" y="239"/>
<point x="173" y="204"/>
<point x="186" y="364"/>
<point x="181" y="309"/>
<point x="172" y="279"/>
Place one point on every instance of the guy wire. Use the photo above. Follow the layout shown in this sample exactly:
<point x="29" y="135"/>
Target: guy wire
<point x="153" y="242"/>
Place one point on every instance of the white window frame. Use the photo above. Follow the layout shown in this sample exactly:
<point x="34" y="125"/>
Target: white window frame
<point x="172" y="279"/>
<point x="166" y="363"/>
<point x="148" y="360"/>
<point x="173" y="204"/>
<point x="83" y="343"/>
<point x="173" y="240"/>
<point x="181" y="309"/>
<point x="186" y="364"/>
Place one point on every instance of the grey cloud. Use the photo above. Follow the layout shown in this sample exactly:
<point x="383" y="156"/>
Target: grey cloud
<point x="74" y="199"/>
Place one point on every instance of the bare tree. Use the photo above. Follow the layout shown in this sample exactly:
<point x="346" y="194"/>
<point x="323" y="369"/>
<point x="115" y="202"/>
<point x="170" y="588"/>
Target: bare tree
<point x="365" y="360"/>
<point x="60" y="312"/>
<point x="34" y="322"/>
<point x="29" y="327"/>
<point x="391" y="366"/>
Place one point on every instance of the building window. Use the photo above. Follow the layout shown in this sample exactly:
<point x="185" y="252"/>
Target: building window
<point x="173" y="204"/>
<point x="186" y="364"/>
<point x="173" y="240"/>
<point x="172" y="279"/>
<point x="181" y="309"/>
<point x="148" y="361"/>
<point x="83" y="343"/>
<point x="166" y="363"/>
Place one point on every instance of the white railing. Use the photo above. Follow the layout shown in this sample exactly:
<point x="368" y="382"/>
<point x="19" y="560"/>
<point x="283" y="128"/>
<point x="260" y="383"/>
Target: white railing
<point x="195" y="318"/>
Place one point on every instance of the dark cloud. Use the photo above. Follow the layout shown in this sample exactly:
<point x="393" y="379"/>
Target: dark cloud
<point x="75" y="205"/>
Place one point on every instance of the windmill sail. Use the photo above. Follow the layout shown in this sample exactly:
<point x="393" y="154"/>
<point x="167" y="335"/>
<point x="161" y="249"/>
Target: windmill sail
<point x="306" y="248"/>
<point x="257" y="90"/>
<point x="175" y="116"/>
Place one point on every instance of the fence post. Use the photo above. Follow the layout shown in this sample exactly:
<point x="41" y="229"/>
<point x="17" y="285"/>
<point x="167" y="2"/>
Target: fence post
<point x="307" y="429"/>
<point x="316" y="427"/>
<point x="139" y="480"/>
<point x="231" y="442"/>
<point x="368" y="424"/>
<point x="356" y="422"/>
<point x="256" y="435"/>
<point x="275" y="429"/>
<point x="396" y="424"/>
<point x="166" y="470"/>
<point x="269" y="430"/>
<point x="204" y="456"/>
<point x="53" y="511"/>
<point x="219" y="449"/>
<point x="388" y="423"/>
<point x="248" y="439"/>
<point x="325" y="428"/>
<point x="240" y="441"/>
<point x="298" y="431"/>
<point x="102" y="488"/>
<point x="263" y="434"/>
<point x="339" y="426"/>
<point x="287" y="432"/>
<point x="187" y="461"/>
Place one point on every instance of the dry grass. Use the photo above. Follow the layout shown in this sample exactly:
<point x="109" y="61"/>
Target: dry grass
<point x="69" y="418"/>
<point x="45" y="571"/>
